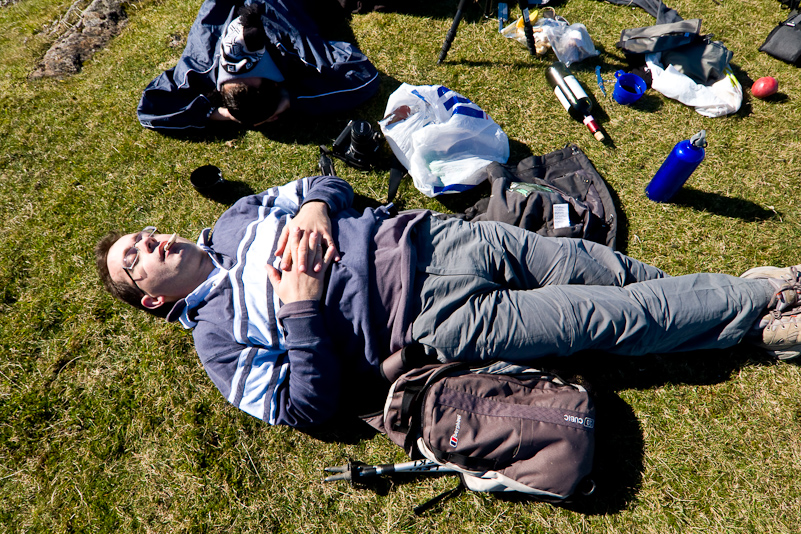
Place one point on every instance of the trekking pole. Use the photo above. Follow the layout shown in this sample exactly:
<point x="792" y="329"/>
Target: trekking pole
<point x="452" y="32"/>
<point x="355" y="470"/>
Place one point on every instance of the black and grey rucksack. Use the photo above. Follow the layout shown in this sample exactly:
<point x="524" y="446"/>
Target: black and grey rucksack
<point x="503" y="427"/>
<point x="560" y="194"/>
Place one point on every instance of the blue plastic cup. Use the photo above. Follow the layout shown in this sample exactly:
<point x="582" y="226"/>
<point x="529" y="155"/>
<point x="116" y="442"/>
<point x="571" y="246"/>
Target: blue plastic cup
<point x="628" y="88"/>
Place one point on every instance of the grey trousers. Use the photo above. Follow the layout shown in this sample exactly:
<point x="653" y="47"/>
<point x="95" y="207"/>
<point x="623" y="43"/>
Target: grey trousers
<point x="492" y="291"/>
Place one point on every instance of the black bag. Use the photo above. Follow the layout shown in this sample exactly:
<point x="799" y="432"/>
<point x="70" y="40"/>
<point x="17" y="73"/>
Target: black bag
<point x="503" y="427"/>
<point x="784" y="41"/>
<point x="560" y="194"/>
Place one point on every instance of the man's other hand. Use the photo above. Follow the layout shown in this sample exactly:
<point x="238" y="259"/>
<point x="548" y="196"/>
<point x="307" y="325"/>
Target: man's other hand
<point x="313" y="224"/>
<point x="296" y="284"/>
<point x="222" y="114"/>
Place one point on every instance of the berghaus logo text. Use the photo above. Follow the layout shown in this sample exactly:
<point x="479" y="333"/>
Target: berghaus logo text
<point x="455" y="435"/>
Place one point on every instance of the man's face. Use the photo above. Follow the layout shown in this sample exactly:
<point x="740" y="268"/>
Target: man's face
<point x="164" y="276"/>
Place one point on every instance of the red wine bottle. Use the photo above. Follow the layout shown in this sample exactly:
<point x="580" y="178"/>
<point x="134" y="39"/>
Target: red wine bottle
<point x="569" y="92"/>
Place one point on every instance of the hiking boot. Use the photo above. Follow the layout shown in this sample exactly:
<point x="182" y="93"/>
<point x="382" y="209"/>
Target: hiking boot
<point x="770" y="272"/>
<point x="785" y="280"/>
<point x="781" y="334"/>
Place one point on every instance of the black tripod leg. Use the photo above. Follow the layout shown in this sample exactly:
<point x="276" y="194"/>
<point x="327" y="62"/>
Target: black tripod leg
<point x="528" y="29"/>
<point x="452" y="32"/>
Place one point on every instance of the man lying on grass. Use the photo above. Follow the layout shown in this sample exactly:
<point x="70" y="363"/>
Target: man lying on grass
<point x="295" y="298"/>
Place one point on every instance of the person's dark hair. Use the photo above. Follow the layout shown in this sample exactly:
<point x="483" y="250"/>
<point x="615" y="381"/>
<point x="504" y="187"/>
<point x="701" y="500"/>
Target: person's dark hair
<point x="124" y="292"/>
<point x="251" y="105"/>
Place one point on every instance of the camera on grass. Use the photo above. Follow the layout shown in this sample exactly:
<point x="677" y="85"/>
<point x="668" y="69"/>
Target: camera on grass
<point x="358" y="145"/>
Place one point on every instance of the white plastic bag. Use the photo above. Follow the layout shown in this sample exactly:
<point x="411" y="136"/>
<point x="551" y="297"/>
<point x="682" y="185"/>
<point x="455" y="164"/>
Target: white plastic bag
<point x="721" y="98"/>
<point x="441" y="137"/>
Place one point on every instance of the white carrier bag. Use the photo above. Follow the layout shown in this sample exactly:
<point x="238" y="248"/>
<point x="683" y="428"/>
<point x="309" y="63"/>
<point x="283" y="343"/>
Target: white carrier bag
<point x="441" y="137"/>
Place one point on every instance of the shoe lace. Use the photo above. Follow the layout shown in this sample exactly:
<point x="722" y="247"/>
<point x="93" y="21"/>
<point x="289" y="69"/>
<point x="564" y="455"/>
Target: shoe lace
<point x="785" y="317"/>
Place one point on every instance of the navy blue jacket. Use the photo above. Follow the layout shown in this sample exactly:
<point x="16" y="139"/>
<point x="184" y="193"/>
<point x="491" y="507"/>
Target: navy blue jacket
<point x="321" y="76"/>
<point x="285" y="364"/>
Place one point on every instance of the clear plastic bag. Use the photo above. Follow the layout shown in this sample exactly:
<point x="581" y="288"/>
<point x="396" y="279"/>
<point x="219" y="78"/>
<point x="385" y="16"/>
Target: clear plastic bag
<point x="515" y="31"/>
<point x="570" y="42"/>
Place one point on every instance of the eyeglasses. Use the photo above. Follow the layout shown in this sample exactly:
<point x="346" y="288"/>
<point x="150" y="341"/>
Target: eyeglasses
<point x="131" y="255"/>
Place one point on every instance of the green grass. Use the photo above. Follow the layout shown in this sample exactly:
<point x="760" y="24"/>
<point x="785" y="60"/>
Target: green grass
<point x="108" y="422"/>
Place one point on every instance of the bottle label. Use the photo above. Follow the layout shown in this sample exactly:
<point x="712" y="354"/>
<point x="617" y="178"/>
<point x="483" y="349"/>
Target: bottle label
<point x="575" y="86"/>
<point x="561" y="96"/>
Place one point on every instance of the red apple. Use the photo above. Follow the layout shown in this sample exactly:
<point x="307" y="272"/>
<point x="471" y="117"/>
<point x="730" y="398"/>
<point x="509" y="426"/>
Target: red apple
<point x="764" y="87"/>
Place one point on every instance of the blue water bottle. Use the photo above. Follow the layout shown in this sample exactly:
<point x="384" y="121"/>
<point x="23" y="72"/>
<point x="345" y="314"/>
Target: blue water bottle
<point x="679" y="165"/>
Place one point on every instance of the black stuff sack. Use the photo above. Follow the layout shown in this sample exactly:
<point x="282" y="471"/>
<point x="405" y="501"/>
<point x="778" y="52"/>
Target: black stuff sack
<point x="784" y="41"/>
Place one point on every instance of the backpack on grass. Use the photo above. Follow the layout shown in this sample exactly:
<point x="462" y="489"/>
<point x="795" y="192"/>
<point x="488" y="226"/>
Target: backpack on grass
<point x="502" y="427"/>
<point x="560" y="194"/>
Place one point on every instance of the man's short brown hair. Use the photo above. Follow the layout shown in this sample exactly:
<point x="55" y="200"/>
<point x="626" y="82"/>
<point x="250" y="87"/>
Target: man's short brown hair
<point x="251" y="105"/>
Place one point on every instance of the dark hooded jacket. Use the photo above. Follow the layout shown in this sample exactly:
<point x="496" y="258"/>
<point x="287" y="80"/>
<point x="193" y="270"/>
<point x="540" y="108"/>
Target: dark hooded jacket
<point x="321" y="76"/>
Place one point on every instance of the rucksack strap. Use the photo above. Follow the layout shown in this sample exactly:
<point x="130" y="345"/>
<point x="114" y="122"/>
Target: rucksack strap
<point x="410" y="357"/>
<point x="410" y="395"/>
<point x="396" y="173"/>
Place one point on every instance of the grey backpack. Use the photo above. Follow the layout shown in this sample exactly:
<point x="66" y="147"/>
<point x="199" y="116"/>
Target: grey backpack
<point x="503" y="427"/>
